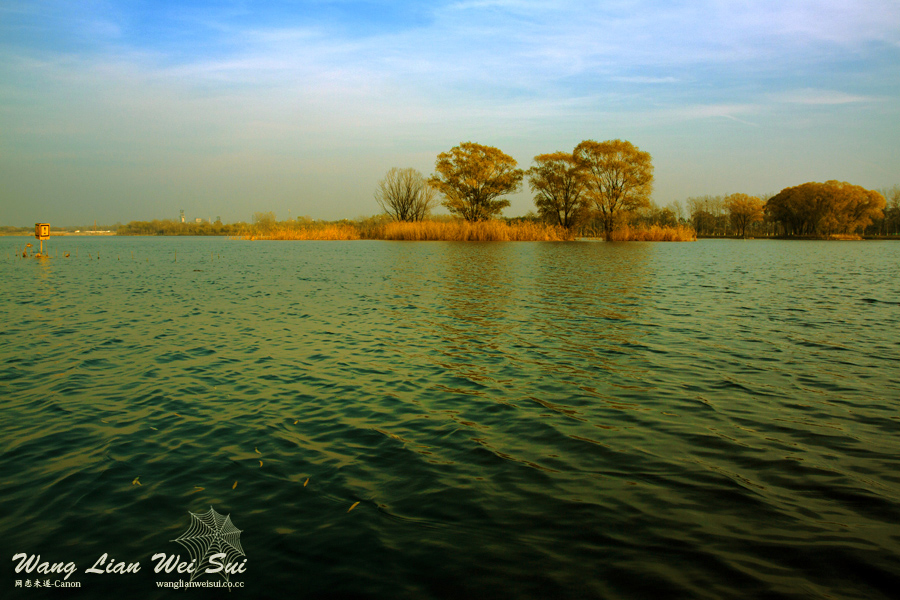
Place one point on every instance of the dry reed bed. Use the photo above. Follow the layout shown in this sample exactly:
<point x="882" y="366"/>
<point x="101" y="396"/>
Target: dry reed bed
<point x="328" y="232"/>
<point x="654" y="233"/>
<point x="464" y="231"/>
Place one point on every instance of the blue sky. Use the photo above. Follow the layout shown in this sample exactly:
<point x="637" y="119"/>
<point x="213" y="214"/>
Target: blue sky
<point x="121" y="111"/>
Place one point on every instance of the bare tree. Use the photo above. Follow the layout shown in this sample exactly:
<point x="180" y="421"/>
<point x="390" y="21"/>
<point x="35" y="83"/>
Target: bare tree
<point x="678" y="210"/>
<point x="707" y="214"/>
<point x="890" y="222"/>
<point x="264" y="221"/>
<point x="405" y="195"/>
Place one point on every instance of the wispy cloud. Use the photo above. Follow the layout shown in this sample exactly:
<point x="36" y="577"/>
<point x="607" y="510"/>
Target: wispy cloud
<point x="734" y="112"/>
<point x="647" y="80"/>
<point x="820" y="97"/>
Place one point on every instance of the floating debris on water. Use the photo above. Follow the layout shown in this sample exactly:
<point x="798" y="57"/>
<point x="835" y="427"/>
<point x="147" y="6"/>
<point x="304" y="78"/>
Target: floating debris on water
<point x="354" y="506"/>
<point x="136" y="482"/>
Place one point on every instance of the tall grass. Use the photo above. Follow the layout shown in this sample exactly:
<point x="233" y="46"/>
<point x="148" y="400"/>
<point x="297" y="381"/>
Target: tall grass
<point x="431" y="230"/>
<point x="455" y="230"/>
<point x="306" y="232"/>
<point x="464" y="231"/>
<point x="654" y="233"/>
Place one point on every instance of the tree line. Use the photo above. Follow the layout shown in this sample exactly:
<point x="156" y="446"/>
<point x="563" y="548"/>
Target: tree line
<point x="807" y="210"/>
<point x="560" y="200"/>
<point x="601" y="186"/>
<point x="173" y="227"/>
<point x="829" y="208"/>
<point x="889" y="223"/>
<point x="594" y="189"/>
<point x="601" y="181"/>
<point x="29" y="229"/>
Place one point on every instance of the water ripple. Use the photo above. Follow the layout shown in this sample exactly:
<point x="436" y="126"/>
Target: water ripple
<point x="539" y="420"/>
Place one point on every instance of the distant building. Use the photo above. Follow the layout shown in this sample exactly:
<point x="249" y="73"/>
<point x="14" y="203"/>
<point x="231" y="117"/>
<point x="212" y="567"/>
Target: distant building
<point x="198" y="220"/>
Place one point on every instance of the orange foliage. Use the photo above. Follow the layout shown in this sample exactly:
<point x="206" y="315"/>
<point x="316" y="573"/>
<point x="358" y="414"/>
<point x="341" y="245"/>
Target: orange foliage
<point x="653" y="234"/>
<point x="328" y="232"/>
<point x="478" y="231"/>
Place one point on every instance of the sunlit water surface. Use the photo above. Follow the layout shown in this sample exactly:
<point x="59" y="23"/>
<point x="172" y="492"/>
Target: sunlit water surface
<point x="516" y="420"/>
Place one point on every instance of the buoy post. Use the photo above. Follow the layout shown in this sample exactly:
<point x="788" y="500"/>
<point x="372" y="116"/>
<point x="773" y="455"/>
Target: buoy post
<point x="42" y="232"/>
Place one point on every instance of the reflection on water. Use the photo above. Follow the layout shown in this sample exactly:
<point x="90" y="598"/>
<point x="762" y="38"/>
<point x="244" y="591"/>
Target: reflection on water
<point x="476" y="311"/>
<point x="515" y="420"/>
<point x="589" y="301"/>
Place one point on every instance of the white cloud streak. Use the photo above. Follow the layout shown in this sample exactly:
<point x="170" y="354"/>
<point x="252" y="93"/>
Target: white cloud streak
<point x="820" y="97"/>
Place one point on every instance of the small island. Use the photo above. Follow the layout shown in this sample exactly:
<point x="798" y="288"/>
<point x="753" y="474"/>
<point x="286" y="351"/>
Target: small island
<point x="600" y="190"/>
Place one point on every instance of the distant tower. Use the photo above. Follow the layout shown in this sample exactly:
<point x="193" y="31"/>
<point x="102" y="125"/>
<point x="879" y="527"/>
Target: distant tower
<point x="182" y="216"/>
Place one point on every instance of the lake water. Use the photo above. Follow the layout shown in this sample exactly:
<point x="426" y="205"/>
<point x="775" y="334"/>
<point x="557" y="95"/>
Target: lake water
<point x="715" y="419"/>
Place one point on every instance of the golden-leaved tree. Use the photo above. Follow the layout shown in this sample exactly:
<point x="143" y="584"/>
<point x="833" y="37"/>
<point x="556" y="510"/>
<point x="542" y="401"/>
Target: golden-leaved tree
<point x="619" y="178"/>
<point x="825" y="208"/>
<point x="473" y="178"/>
<point x="744" y="210"/>
<point x="557" y="180"/>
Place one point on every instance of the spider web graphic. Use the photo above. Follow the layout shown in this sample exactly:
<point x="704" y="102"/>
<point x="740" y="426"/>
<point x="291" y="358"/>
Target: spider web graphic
<point x="210" y="533"/>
